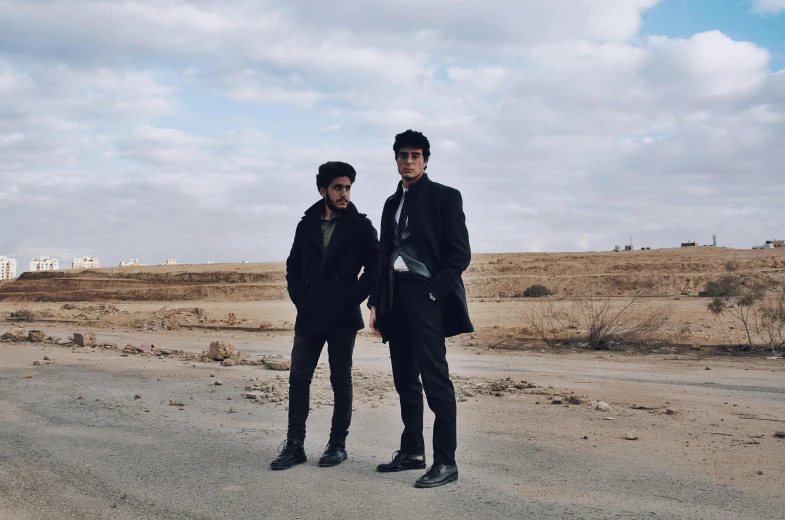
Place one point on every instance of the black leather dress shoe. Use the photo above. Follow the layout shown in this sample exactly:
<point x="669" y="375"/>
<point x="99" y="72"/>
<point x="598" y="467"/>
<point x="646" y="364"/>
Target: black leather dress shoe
<point x="438" y="475"/>
<point x="291" y="454"/>
<point x="402" y="461"/>
<point x="333" y="455"/>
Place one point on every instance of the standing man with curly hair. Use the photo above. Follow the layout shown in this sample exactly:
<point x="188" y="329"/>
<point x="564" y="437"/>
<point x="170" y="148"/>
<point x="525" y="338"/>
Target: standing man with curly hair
<point x="332" y="244"/>
<point x="420" y="300"/>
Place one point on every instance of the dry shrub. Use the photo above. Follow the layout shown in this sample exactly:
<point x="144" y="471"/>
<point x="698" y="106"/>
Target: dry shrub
<point x="604" y="322"/>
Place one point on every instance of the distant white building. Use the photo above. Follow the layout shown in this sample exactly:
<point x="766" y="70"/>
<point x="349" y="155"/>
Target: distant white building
<point x="132" y="262"/>
<point x="7" y="268"/>
<point x="171" y="261"/>
<point x="86" y="262"/>
<point x="44" y="263"/>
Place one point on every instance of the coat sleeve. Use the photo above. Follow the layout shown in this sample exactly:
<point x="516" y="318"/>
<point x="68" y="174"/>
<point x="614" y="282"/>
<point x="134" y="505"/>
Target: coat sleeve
<point x="369" y="280"/>
<point x="294" y="264"/>
<point x="456" y="251"/>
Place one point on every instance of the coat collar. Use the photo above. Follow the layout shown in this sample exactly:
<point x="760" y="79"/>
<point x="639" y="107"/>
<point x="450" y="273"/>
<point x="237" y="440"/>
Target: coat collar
<point x="414" y="189"/>
<point x="343" y="230"/>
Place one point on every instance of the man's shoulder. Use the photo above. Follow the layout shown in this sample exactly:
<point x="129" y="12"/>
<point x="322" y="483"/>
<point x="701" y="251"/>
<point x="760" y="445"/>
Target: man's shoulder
<point x="443" y="189"/>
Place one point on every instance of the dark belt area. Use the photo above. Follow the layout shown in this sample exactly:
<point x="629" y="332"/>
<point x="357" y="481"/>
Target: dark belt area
<point x="403" y="276"/>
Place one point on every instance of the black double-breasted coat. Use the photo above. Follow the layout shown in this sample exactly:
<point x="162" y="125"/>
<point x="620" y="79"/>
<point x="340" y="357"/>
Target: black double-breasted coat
<point x="324" y="286"/>
<point x="438" y="232"/>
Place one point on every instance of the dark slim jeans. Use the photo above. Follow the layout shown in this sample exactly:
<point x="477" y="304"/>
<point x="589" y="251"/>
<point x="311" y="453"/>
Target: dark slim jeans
<point x="417" y="348"/>
<point x="305" y="357"/>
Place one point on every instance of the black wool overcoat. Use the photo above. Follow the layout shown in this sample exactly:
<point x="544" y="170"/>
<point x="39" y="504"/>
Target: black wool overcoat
<point x="324" y="286"/>
<point x="437" y="227"/>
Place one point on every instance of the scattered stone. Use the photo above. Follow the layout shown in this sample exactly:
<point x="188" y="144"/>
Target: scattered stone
<point x="47" y="358"/>
<point x="65" y="342"/>
<point x="220" y="350"/>
<point x="84" y="339"/>
<point x="15" y="336"/>
<point x="779" y="435"/>
<point x="557" y="399"/>
<point x="276" y="362"/>
<point x="608" y="418"/>
<point x="29" y="376"/>
<point x="137" y="396"/>
<point x="574" y="399"/>
<point x="670" y="411"/>
<point x="36" y="336"/>
<point x="217" y="382"/>
<point x="232" y="410"/>
<point x="707" y="368"/>
<point x="228" y="362"/>
<point x="760" y="472"/>
<point x="144" y="347"/>
<point x="632" y="436"/>
<point x="601" y="406"/>
<point x="462" y="399"/>
<point x="36" y="363"/>
<point x="174" y="402"/>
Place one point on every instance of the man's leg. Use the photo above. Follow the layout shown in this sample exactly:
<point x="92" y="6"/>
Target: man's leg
<point x="426" y="323"/>
<point x="340" y="347"/>
<point x="406" y="375"/>
<point x="305" y="356"/>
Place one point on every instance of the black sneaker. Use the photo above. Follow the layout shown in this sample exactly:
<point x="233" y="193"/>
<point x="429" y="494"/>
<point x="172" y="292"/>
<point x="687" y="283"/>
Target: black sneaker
<point x="402" y="461"/>
<point x="438" y="475"/>
<point x="291" y="454"/>
<point x="333" y="455"/>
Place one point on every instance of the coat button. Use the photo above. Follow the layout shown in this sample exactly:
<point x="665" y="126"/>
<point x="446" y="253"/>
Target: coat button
<point x="336" y="276"/>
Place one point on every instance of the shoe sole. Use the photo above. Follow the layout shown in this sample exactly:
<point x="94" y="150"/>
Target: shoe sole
<point x="423" y="486"/>
<point x="402" y="468"/>
<point x="331" y="464"/>
<point x="279" y="467"/>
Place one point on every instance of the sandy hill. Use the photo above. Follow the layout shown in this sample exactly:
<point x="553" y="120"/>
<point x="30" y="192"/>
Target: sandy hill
<point x="661" y="272"/>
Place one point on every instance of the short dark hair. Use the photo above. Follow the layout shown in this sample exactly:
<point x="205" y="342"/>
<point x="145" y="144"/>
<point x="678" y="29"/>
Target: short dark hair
<point x="412" y="139"/>
<point x="331" y="170"/>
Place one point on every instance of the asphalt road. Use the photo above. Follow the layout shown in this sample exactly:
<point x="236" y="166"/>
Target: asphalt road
<point x="108" y="455"/>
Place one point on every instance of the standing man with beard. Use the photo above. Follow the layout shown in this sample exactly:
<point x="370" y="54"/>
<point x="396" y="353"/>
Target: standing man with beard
<point x="332" y="244"/>
<point x="419" y="301"/>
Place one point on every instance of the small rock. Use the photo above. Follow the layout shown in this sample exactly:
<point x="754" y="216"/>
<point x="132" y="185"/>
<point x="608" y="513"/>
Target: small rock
<point x="220" y="350"/>
<point x="574" y="399"/>
<point x="36" y="336"/>
<point x="84" y="339"/>
<point x="760" y="472"/>
<point x="228" y="362"/>
<point x="779" y="435"/>
<point x="462" y="399"/>
<point x="608" y="418"/>
<point x="557" y="400"/>
<point x="232" y="410"/>
<point x="670" y="411"/>
<point x="28" y="376"/>
<point x="47" y="358"/>
<point x="707" y="368"/>
<point x="174" y="402"/>
<point x="217" y="382"/>
<point x="632" y="436"/>
<point x="602" y="406"/>
<point x="36" y="363"/>
<point x="137" y="396"/>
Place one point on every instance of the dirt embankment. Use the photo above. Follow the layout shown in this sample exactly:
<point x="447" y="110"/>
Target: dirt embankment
<point x="663" y="272"/>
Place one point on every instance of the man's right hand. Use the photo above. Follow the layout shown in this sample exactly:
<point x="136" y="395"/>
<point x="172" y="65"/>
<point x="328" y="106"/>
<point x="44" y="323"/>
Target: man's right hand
<point x="372" y="321"/>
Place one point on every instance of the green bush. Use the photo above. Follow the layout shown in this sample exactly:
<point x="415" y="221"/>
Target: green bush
<point x="726" y="286"/>
<point x="536" y="291"/>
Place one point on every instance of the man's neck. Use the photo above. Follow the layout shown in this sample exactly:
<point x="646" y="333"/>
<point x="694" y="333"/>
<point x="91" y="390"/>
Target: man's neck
<point x="408" y="183"/>
<point x="328" y="213"/>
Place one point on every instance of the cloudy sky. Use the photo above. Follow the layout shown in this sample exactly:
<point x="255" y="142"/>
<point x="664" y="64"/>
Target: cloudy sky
<point x="193" y="130"/>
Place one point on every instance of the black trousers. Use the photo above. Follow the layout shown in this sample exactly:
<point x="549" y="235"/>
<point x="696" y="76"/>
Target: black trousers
<point x="417" y="348"/>
<point x="305" y="357"/>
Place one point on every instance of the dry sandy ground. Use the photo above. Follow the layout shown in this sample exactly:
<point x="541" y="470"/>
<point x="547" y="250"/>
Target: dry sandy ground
<point x="109" y="455"/>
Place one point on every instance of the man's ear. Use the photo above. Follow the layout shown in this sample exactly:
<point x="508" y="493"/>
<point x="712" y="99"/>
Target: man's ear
<point x="425" y="161"/>
<point x="322" y="191"/>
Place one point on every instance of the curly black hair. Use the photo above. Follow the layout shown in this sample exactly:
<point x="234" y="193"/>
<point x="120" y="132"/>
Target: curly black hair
<point x="331" y="170"/>
<point x="412" y="139"/>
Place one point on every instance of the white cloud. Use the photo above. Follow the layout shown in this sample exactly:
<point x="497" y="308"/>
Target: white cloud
<point x="769" y="6"/>
<point x="197" y="127"/>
